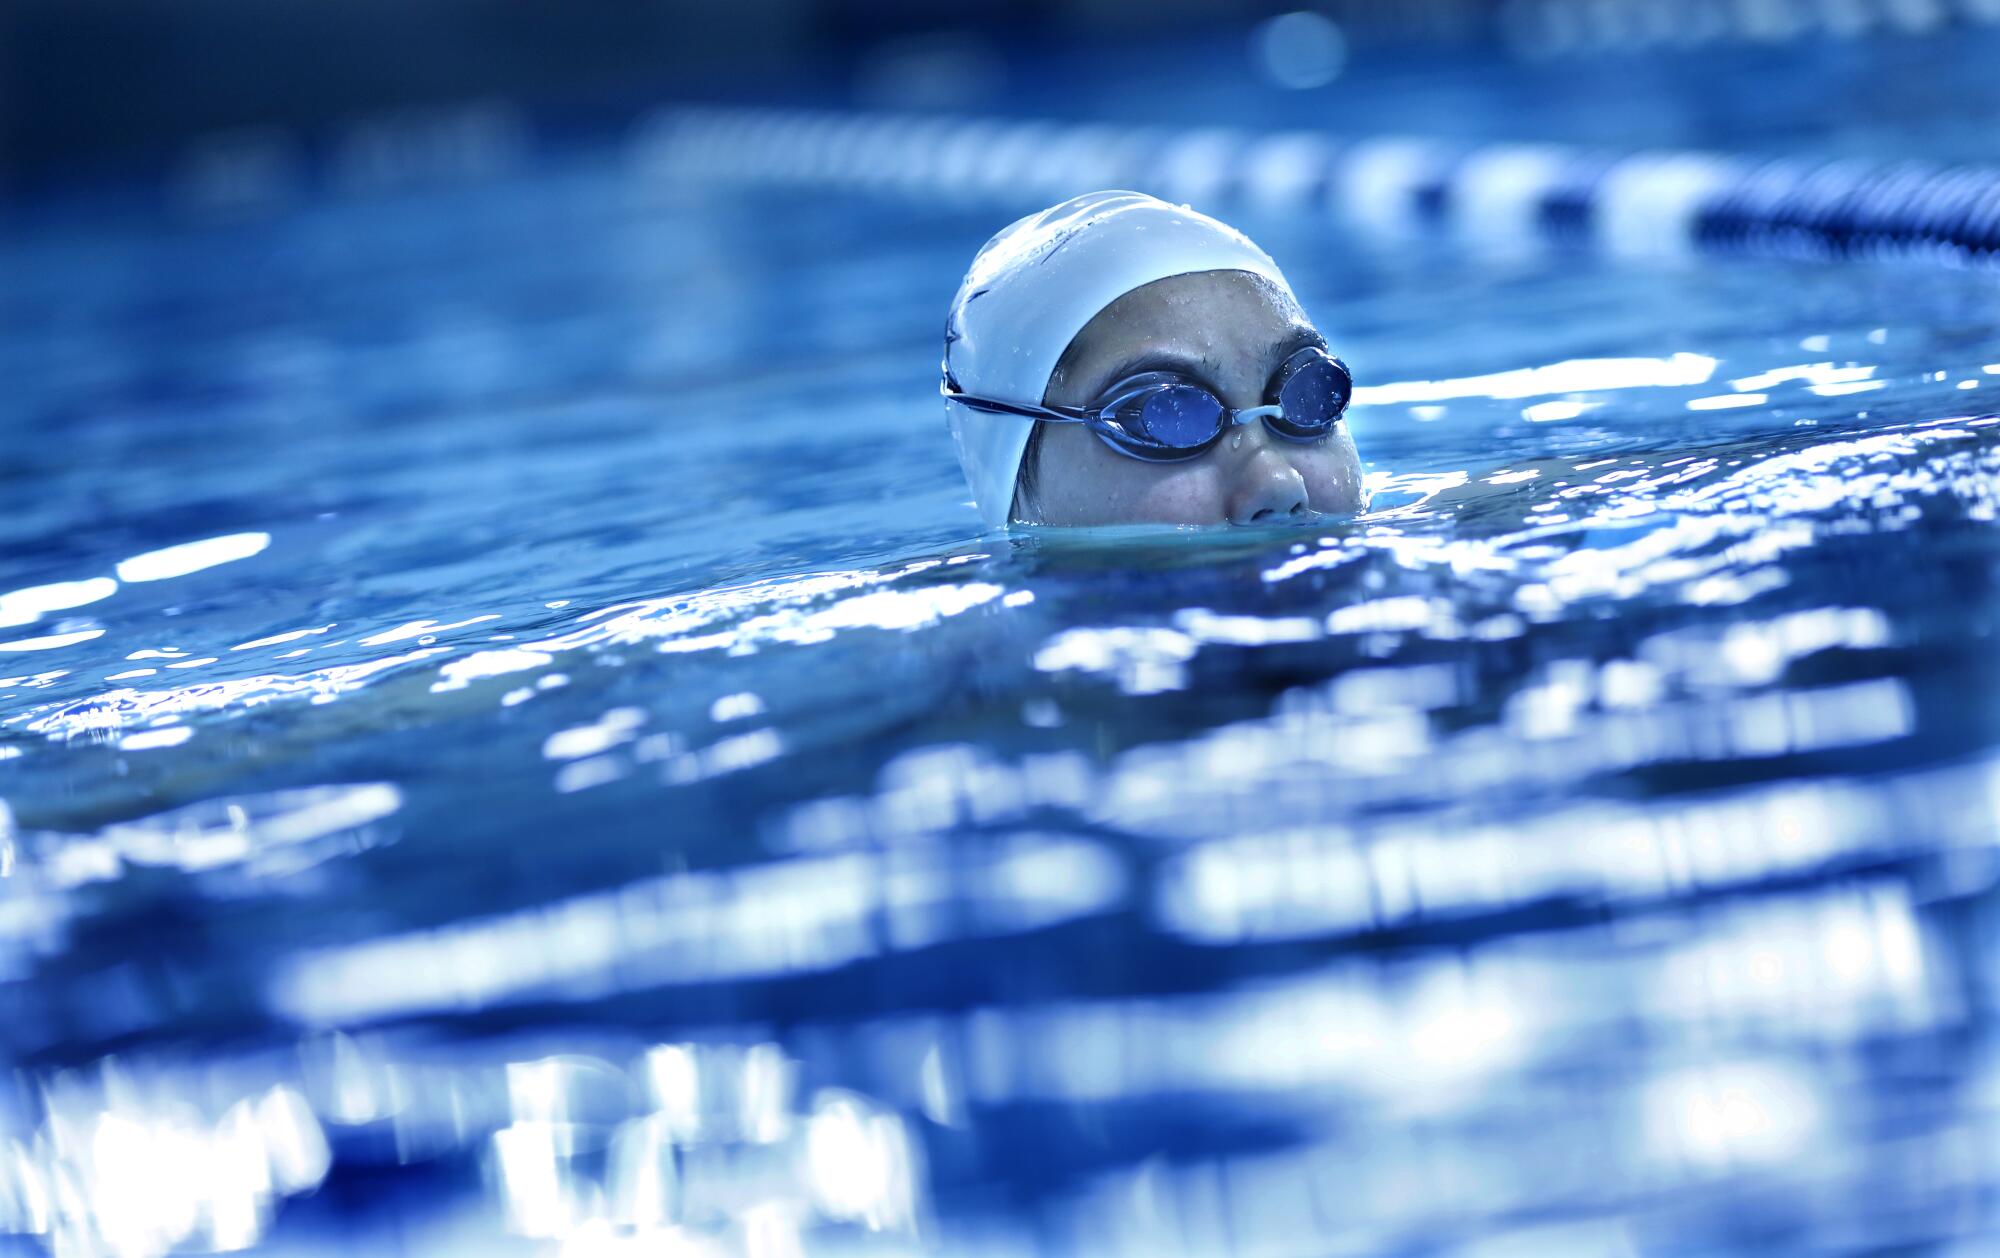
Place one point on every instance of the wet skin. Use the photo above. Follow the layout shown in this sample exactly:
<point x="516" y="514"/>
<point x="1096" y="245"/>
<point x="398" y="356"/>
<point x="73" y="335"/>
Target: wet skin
<point x="1229" y="331"/>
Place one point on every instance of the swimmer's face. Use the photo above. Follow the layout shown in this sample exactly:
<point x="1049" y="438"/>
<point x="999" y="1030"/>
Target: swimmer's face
<point x="1229" y="331"/>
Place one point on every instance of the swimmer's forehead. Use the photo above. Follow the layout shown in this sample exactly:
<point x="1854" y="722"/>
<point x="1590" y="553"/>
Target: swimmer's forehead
<point x="1038" y="283"/>
<point x="1205" y="325"/>
<point x="1203" y="301"/>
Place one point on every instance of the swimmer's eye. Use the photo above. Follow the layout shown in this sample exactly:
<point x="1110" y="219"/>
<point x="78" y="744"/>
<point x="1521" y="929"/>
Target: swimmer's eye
<point x="1162" y="419"/>
<point x="1165" y="418"/>
<point x="1312" y="389"/>
<point x="1136" y="384"/>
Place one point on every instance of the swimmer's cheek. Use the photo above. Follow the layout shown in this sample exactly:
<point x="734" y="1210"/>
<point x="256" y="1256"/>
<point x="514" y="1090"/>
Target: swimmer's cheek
<point x="1334" y="480"/>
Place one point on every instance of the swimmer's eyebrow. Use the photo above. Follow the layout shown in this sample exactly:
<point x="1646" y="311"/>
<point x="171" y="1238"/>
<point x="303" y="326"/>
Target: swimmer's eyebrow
<point x="1303" y="335"/>
<point x="1198" y="369"/>
<point x="1204" y="369"/>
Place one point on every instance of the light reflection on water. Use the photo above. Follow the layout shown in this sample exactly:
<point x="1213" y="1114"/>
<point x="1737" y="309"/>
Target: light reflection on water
<point x="501" y="812"/>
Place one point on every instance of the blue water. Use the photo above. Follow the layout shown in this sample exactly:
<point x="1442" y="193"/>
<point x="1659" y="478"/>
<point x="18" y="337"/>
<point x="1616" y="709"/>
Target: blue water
<point x="515" y="742"/>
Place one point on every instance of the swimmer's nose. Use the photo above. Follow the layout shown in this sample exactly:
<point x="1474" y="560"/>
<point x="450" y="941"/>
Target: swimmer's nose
<point x="1266" y="488"/>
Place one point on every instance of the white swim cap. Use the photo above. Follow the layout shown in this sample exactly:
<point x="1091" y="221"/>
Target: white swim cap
<point x="1035" y="285"/>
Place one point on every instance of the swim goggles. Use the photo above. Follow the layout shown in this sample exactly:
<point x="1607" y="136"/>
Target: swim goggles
<point x="1164" y="418"/>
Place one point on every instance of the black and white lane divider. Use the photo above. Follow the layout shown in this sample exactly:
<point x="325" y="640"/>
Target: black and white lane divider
<point x="1646" y="202"/>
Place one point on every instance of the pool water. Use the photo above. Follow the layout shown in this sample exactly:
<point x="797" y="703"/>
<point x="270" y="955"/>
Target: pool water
<point x="515" y="742"/>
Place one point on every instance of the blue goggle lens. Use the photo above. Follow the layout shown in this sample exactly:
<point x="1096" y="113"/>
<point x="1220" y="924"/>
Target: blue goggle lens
<point x="1314" y="394"/>
<point x="1170" y="420"/>
<point x="1182" y="417"/>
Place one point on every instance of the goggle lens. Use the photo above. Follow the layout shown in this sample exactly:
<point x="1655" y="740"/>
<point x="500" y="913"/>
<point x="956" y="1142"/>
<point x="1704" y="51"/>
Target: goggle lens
<point x="1314" y="394"/>
<point x="1168" y="419"/>
<point x="1182" y="417"/>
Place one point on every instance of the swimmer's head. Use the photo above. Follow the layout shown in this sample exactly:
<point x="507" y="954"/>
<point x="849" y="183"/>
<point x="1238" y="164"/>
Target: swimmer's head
<point x="1074" y="308"/>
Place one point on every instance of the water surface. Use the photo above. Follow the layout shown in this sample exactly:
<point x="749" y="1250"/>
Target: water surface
<point x="515" y="741"/>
